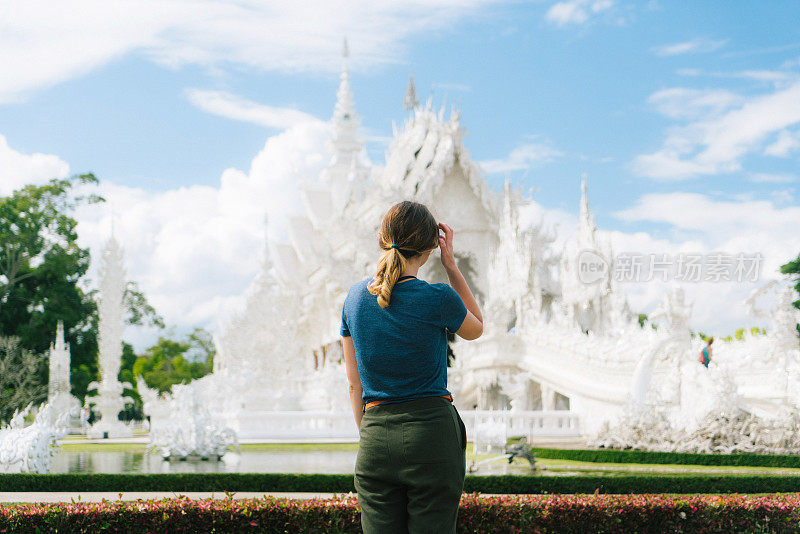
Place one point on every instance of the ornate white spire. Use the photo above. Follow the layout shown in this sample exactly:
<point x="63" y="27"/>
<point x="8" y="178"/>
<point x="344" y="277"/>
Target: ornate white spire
<point x="586" y="222"/>
<point x="345" y="120"/>
<point x="410" y="101"/>
<point x="345" y="166"/>
<point x="109" y="401"/>
<point x="58" y="385"/>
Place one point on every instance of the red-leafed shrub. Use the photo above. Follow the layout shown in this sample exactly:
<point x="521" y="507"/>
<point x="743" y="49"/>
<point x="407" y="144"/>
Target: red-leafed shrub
<point x="478" y="513"/>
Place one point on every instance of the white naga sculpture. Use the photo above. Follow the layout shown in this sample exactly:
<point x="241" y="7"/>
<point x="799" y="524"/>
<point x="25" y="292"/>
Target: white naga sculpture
<point x="560" y="345"/>
<point x="59" y="396"/>
<point x="109" y="400"/>
<point x="746" y="401"/>
<point x="181" y="426"/>
<point x="29" y="449"/>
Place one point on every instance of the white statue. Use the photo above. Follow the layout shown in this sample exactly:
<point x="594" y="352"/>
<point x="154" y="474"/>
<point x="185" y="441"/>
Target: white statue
<point x="29" y="449"/>
<point x="181" y="425"/>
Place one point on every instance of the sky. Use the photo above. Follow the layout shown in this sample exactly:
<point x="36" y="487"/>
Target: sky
<point x="198" y="117"/>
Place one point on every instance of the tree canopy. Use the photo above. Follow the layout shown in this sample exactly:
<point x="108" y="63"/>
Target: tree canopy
<point x="41" y="266"/>
<point x="171" y="361"/>
<point x="42" y="277"/>
<point x="20" y="382"/>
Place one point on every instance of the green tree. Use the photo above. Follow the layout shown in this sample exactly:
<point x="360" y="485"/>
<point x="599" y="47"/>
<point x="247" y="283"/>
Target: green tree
<point x="132" y="410"/>
<point x="42" y="279"/>
<point x="792" y="268"/>
<point x="20" y="377"/>
<point x="739" y="334"/>
<point x="41" y="265"/>
<point x="171" y="361"/>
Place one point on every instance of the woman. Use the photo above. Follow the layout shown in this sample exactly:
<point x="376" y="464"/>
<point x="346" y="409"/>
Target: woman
<point x="410" y="467"/>
<point x="705" y="354"/>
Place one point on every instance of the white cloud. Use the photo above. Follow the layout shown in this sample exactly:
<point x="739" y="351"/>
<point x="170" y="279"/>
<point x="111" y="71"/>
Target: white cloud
<point x="767" y="178"/>
<point x="18" y="169"/>
<point x="521" y="158"/>
<point x="460" y="87"/>
<point x="696" y="224"/>
<point x="194" y="250"/>
<point x="576" y="11"/>
<point x="699" y="224"/>
<point x="773" y="76"/>
<point x="738" y="226"/>
<point x="45" y="42"/>
<point x="764" y="75"/>
<point x="786" y="143"/>
<point x="684" y="103"/>
<point x="240" y="109"/>
<point x="687" y="47"/>
<point x="716" y="144"/>
<point x="783" y="196"/>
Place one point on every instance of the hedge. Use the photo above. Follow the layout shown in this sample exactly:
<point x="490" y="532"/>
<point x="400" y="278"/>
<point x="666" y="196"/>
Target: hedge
<point x="272" y="482"/>
<point x="614" y="456"/>
<point x="508" y="514"/>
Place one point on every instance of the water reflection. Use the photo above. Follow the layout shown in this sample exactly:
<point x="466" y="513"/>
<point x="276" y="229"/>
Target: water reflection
<point x="328" y="462"/>
<point x="279" y="461"/>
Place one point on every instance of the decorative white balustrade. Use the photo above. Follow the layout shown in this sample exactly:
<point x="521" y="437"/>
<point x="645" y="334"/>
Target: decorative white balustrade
<point x="297" y="425"/>
<point x="490" y="429"/>
<point x="340" y="425"/>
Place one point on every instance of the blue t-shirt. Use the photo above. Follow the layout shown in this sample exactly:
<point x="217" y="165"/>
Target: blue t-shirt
<point x="401" y="350"/>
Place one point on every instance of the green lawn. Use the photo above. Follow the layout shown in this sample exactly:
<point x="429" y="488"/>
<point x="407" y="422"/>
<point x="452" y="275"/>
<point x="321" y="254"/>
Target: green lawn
<point x="103" y="447"/>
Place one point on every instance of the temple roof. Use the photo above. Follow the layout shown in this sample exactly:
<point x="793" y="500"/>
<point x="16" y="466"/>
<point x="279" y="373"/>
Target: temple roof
<point x="425" y="151"/>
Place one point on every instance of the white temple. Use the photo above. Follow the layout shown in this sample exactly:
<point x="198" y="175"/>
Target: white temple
<point x="59" y="395"/>
<point x="561" y="352"/>
<point x="109" y="400"/>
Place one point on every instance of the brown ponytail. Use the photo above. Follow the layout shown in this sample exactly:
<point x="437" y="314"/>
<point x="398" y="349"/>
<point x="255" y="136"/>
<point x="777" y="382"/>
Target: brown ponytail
<point x="407" y="230"/>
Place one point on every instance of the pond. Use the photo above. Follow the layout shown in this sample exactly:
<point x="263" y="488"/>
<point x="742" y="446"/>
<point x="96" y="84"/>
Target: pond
<point x="282" y="459"/>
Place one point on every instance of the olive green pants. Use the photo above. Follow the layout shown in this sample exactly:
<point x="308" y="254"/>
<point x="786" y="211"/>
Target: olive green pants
<point x="410" y="467"/>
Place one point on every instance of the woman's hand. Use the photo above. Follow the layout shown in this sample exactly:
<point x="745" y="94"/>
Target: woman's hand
<point x="446" y="248"/>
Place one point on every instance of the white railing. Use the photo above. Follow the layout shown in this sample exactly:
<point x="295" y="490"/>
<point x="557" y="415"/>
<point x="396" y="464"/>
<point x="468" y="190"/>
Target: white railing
<point x="490" y="429"/>
<point x="296" y="425"/>
<point x="340" y="425"/>
<point x="554" y="423"/>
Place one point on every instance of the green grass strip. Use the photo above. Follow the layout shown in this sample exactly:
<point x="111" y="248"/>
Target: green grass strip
<point x="676" y="458"/>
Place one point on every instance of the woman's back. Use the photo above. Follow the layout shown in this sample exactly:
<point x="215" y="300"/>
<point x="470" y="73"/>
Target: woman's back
<point x="401" y="350"/>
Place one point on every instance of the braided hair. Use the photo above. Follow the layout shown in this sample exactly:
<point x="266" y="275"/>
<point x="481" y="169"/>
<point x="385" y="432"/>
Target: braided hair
<point x="407" y="230"/>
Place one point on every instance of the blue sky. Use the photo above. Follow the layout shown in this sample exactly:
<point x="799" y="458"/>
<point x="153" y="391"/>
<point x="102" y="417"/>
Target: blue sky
<point x="639" y="96"/>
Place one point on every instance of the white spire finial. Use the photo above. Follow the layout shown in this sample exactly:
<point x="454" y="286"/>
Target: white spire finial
<point x="584" y="198"/>
<point x="345" y="121"/>
<point x="410" y="101"/>
<point x="586" y="220"/>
